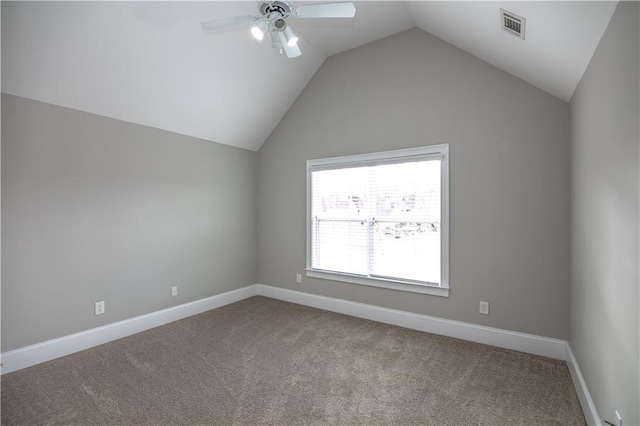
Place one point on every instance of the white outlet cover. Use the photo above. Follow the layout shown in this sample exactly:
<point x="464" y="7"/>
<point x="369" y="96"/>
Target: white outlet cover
<point x="98" y="308"/>
<point x="298" y="278"/>
<point x="484" y="308"/>
<point x="174" y="290"/>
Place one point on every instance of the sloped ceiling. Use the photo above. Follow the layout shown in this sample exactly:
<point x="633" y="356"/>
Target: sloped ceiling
<point x="150" y="63"/>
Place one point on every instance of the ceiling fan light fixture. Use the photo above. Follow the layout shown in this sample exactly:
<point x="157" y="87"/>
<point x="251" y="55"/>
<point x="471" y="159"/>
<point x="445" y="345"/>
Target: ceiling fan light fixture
<point x="290" y="37"/>
<point x="290" y="51"/>
<point x="279" y="24"/>
<point x="258" y="30"/>
<point x="275" y="41"/>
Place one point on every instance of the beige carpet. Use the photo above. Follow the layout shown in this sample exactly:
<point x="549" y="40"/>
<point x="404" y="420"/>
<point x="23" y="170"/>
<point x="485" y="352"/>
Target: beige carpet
<point x="262" y="361"/>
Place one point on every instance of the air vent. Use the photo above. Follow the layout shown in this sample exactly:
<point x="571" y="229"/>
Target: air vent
<point x="512" y="23"/>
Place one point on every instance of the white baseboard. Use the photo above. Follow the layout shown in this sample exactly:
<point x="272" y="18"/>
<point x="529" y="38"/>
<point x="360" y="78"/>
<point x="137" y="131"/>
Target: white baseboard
<point x="56" y="348"/>
<point x="588" y="407"/>
<point x="537" y="345"/>
<point x="529" y="343"/>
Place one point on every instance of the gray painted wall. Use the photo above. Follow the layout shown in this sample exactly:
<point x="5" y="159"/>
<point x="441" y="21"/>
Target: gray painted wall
<point x="99" y="209"/>
<point x="605" y="321"/>
<point x="509" y="159"/>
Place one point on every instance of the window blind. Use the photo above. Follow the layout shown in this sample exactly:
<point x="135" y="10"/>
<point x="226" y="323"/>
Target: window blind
<point x="379" y="220"/>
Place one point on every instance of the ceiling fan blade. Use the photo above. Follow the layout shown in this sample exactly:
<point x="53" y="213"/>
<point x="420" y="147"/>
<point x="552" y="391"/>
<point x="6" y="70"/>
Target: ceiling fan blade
<point x="328" y="10"/>
<point x="290" y="51"/>
<point x="225" y="23"/>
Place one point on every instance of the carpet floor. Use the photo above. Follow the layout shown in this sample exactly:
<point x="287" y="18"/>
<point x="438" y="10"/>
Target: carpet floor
<point x="263" y="361"/>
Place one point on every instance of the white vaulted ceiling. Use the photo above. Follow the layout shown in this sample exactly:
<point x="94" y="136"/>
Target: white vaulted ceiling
<point x="150" y="62"/>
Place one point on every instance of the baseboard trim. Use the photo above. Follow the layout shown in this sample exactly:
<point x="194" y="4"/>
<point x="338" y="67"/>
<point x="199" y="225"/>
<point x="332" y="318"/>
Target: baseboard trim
<point x="529" y="343"/>
<point x="51" y="349"/>
<point x="553" y="348"/>
<point x="588" y="407"/>
<point x="56" y="348"/>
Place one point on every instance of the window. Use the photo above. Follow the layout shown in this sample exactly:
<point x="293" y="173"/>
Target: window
<point x="381" y="219"/>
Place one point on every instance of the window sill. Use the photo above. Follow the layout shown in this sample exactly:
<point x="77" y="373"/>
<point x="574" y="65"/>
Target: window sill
<point x="377" y="282"/>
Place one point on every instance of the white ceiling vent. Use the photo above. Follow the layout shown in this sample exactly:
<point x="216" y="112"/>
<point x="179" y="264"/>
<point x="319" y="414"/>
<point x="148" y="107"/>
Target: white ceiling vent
<point x="512" y="23"/>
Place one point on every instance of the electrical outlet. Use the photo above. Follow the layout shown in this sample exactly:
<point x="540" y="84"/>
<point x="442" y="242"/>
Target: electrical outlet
<point x="98" y="308"/>
<point x="618" y="419"/>
<point x="484" y="308"/>
<point x="174" y="290"/>
<point x="298" y="278"/>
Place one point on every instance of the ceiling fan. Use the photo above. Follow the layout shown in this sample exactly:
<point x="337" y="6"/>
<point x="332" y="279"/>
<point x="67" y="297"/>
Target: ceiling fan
<point x="273" y="20"/>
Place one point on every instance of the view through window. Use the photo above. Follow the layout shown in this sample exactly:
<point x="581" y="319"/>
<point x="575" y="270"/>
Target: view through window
<point x="380" y="216"/>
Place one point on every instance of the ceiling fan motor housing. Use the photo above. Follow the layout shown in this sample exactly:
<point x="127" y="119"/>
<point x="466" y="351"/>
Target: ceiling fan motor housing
<point x="277" y="12"/>
<point x="280" y="7"/>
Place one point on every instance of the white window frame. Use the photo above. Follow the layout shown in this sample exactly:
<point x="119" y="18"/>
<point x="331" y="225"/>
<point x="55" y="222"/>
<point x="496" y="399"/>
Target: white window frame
<point x="401" y="155"/>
